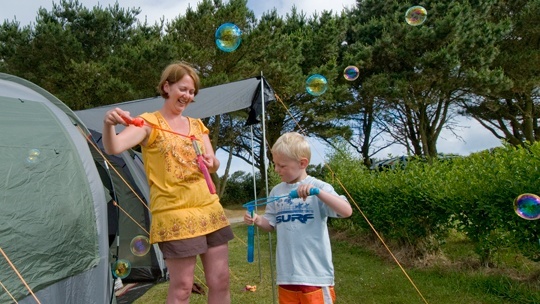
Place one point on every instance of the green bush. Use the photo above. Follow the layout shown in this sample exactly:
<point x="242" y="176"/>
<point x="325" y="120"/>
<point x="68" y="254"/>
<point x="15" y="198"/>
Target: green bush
<point x="239" y="189"/>
<point x="400" y="204"/>
<point x="419" y="204"/>
<point x="484" y="190"/>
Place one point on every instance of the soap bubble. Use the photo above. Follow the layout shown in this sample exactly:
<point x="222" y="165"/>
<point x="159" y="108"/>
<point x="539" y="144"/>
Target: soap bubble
<point x="316" y="84"/>
<point x="228" y="37"/>
<point x="121" y="268"/>
<point x="415" y="15"/>
<point x="33" y="156"/>
<point x="140" y="245"/>
<point x="351" y="73"/>
<point x="527" y="206"/>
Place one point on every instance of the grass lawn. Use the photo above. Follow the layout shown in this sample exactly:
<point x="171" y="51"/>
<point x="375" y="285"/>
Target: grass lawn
<point x="365" y="277"/>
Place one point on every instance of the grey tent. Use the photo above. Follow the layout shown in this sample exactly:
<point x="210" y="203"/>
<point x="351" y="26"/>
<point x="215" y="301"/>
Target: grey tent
<point x="226" y="98"/>
<point x="53" y="230"/>
<point x="130" y="220"/>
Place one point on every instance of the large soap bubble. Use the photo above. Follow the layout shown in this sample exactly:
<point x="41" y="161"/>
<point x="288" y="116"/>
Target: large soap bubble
<point x="228" y="37"/>
<point x="527" y="206"/>
<point x="416" y="15"/>
<point x="140" y="245"/>
<point x="316" y="84"/>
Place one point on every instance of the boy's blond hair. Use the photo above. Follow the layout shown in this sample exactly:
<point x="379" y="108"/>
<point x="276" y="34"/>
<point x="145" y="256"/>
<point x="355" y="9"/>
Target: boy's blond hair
<point x="293" y="145"/>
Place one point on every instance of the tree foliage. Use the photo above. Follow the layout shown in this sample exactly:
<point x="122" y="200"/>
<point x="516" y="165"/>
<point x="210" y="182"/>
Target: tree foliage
<point x="417" y="74"/>
<point x="86" y="57"/>
<point x="473" y="57"/>
<point x="511" y="111"/>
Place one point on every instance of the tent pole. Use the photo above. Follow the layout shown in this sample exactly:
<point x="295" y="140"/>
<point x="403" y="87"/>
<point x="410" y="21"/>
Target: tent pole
<point x="263" y="107"/>
<point x="117" y="232"/>
<point x="255" y="197"/>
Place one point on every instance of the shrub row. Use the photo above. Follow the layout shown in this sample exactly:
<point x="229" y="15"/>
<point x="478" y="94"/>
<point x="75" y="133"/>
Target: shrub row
<point x="420" y="204"/>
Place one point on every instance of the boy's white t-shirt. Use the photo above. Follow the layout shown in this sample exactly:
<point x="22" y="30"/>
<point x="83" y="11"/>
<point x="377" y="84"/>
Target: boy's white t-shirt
<point x="303" y="251"/>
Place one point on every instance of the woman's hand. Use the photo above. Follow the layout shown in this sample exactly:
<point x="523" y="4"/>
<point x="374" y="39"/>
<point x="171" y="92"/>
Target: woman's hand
<point x="117" y="116"/>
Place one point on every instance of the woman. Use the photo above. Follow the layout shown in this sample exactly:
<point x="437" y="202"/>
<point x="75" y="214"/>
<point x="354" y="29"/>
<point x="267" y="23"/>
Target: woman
<point x="187" y="220"/>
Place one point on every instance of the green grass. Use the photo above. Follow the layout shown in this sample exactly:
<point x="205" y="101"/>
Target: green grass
<point x="365" y="277"/>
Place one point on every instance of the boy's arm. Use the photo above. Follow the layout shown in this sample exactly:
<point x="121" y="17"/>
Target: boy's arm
<point x="260" y="221"/>
<point x="336" y="203"/>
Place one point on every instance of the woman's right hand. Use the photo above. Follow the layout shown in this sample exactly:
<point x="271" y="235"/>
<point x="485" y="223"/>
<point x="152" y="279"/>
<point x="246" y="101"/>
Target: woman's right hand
<point x="129" y="137"/>
<point x="116" y="116"/>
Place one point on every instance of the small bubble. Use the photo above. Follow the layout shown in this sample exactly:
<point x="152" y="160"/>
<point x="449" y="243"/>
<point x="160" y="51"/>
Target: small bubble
<point x="416" y="15"/>
<point x="316" y="84"/>
<point x="33" y="156"/>
<point x="351" y="73"/>
<point x="121" y="268"/>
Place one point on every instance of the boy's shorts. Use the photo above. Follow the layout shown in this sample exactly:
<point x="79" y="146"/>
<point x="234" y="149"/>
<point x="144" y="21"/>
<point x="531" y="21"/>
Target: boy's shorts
<point x="296" y="294"/>
<point x="197" y="245"/>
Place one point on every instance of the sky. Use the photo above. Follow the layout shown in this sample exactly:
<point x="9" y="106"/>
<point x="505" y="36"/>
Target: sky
<point x="25" y="11"/>
<point x="472" y="136"/>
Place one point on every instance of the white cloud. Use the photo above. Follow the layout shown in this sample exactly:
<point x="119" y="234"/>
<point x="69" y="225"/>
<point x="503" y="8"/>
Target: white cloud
<point x="154" y="11"/>
<point x="308" y="7"/>
<point x="472" y="137"/>
<point x="25" y="11"/>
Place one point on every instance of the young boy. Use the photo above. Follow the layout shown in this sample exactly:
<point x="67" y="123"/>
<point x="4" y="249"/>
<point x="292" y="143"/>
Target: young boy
<point x="305" y="272"/>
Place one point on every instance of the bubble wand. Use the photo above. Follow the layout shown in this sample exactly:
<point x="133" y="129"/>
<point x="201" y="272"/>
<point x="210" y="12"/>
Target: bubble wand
<point x="250" y="206"/>
<point x="203" y="167"/>
<point x="139" y="122"/>
<point x="251" y="236"/>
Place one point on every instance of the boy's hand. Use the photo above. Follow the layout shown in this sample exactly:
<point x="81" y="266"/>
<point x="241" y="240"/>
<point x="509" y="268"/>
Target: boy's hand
<point x="304" y="190"/>
<point x="248" y="220"/>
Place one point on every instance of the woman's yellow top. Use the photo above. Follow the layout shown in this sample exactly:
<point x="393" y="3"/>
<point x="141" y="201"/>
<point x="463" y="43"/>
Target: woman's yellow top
<point x="180" y="201"/>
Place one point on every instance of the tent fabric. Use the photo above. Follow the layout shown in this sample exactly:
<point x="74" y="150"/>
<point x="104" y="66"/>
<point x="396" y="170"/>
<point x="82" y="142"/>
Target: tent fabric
<point x="211" y="101"/>
<point x="131" y="194"/>
<point x="256" y="107"/>
<point x="54" y="218"/>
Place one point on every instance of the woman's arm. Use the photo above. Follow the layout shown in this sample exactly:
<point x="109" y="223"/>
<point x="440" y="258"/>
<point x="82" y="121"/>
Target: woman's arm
<point x="129" y="137"/>
<point x="210" y="159"/>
